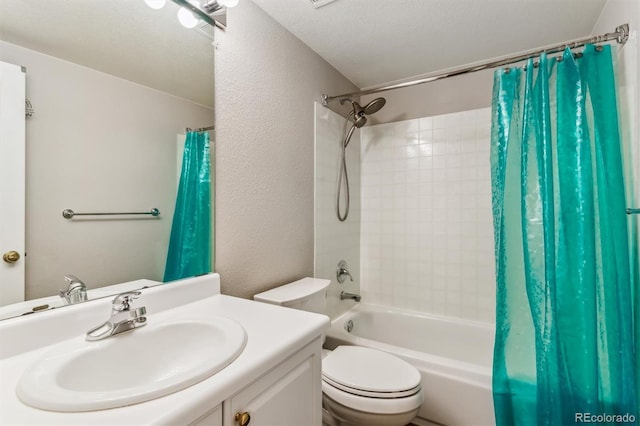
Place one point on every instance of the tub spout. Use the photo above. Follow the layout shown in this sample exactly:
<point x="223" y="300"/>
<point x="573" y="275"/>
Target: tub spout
<point x="344" y="296"/>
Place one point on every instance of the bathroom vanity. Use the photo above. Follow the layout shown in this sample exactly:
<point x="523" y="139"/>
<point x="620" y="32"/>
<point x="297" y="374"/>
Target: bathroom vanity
<point x="273" y="378"/>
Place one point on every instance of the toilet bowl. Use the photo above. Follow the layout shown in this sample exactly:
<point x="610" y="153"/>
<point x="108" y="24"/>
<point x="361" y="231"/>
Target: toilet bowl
<point x="360" y="386"/>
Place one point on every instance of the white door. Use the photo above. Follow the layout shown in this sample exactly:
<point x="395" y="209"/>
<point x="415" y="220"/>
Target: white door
<point x="12" y="182"/>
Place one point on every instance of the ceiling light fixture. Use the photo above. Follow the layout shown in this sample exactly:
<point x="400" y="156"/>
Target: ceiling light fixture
<point x="213" y="12"/>
<point x="156" y="4"/>
<point x="186" y="17"/>
<point x="319" y="3"/>
<point x="211" y="6"/>
<point x="229" y="3"/>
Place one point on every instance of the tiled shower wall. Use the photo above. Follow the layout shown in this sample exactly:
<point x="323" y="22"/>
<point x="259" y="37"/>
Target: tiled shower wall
<point x="426" y="238"/>
<point x="335" y="240"/>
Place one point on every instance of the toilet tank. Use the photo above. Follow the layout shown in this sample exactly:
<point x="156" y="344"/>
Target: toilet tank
<point x="307" y="294"/>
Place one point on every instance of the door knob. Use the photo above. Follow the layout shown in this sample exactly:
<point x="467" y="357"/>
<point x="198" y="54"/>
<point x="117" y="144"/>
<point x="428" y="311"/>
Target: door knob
<point x="11" y="256"/>
<point x="243" y="419"/>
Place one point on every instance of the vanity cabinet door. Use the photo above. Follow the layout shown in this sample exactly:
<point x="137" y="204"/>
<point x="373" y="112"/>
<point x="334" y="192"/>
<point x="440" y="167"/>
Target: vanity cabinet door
<point x="212" y="418"/>
<point x="288" y="395"/>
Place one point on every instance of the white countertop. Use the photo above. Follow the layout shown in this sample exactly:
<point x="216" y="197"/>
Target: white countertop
<point x="54" y="302"/>
<point x="273" y="334"/>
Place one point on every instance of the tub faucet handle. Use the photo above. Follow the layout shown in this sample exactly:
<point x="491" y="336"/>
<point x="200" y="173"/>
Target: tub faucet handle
<point x="342" y="272"/>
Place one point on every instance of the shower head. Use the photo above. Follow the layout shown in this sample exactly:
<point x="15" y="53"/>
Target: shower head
<point x="374" y="106"/>
<point x="360" y="121"/>
<point x="359" y="113"/>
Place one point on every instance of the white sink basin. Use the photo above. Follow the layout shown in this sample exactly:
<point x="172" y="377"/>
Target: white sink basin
<point x="132" y="367"/>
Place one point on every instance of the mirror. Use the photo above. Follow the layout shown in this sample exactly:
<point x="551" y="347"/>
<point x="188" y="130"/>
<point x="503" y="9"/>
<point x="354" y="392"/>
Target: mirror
<point x="113" y="85"/>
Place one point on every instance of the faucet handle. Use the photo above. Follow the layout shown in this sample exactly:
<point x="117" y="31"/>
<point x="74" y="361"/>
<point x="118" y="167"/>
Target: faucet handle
<point x="76" y="290"/>
<point x="72" y="279"/>
<point x="122" y="302"/>
<point x="342" y="271"/>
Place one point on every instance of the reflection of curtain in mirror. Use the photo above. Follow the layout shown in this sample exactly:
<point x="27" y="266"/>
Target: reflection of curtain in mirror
<point x="189" y="251"/>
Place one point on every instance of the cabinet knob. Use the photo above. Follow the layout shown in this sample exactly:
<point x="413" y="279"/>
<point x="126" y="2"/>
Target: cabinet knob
<point x="11" y="256"/>
<point x="243" y="419"/>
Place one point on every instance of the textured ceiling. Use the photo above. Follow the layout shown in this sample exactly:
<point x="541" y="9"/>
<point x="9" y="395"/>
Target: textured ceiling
<point x="124" y="38"/>
<point x="378" y="41"/>
<point x="370" y="41"/>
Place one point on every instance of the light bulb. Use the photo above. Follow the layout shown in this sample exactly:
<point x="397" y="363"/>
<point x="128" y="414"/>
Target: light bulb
<point x="186" y="18"/>
<point x="228" y="3"/>
<point x="156" y="4"/>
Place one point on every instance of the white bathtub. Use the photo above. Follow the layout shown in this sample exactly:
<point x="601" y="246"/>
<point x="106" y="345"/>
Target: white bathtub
<point x="453" y="356"/>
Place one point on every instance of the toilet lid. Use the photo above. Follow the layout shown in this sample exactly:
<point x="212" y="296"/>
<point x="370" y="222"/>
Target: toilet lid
<point x="369" y="370"/>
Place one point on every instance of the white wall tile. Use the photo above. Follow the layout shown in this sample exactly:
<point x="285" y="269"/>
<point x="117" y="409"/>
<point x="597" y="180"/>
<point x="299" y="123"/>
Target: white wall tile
<point x="426" y="240"/>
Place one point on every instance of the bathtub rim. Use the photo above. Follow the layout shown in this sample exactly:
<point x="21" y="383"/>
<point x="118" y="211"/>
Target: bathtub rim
<point x="366" y="306"/>
<point x="478" y="375"/>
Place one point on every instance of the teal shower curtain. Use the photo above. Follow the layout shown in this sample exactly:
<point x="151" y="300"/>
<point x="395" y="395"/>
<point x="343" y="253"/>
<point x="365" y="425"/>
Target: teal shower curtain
<point x="564" y="350"/>
<point x="189" y="251"/>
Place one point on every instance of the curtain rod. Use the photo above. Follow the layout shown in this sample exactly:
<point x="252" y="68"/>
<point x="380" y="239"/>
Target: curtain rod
<point x="621" y="35"/>
<point x="200" y="129"/>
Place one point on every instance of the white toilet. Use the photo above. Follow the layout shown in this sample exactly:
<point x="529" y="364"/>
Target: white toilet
<point x="360" y="386"/>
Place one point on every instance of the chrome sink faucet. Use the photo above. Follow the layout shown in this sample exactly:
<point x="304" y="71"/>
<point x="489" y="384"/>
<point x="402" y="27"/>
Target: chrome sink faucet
<point x="123" y="317"/>
<point x="76" y="291"/>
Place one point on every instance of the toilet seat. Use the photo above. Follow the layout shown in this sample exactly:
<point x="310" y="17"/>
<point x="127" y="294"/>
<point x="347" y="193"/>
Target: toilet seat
<point x="382" y="395"/>
<point x="370" y="380"/>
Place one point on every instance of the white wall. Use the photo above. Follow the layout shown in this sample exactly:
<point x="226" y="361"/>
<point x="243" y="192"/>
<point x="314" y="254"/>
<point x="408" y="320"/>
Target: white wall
<point x="335" y="240"/>
<point x="618" y="12"/>
<point x="266" y="83"/>
<point x="461" y="93"/>
<point x="97" y="143"/>
<point x="427" y="228"/>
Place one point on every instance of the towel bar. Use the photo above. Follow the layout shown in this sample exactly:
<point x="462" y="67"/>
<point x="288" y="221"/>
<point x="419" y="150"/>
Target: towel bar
<point x="68" y="213"/>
